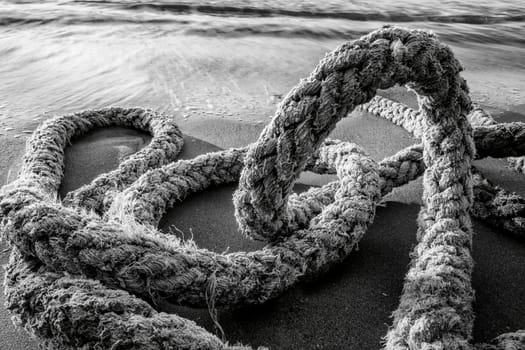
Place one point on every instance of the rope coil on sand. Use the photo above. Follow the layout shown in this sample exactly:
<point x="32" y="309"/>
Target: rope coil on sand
<point x="76" y="277"/>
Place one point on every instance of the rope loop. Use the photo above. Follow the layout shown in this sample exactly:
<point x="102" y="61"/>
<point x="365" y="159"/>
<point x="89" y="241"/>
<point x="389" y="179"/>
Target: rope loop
<point x="346" y="77"/>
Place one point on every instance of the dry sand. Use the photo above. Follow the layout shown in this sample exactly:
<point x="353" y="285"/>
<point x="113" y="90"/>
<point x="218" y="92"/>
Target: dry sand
<point x="350" y="306"/>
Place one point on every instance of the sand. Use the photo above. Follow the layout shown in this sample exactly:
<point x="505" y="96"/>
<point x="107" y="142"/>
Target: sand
<point x="350" y="306"/>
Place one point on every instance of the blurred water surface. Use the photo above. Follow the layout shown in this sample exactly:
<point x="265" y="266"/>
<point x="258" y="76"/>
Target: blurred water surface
<point x="226" y="59"/>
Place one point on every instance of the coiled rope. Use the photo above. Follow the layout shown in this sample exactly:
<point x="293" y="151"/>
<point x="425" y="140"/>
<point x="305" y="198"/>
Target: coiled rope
<point x="81" y="271"/>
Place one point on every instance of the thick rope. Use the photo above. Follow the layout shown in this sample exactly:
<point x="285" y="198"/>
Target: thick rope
<point x="77" y="313"/>
<point x="149" y="198"/>
<point x="412" y="121"/>
<point x="53" y="217"/>
<point x="44" y="157"/>
<point x="496" y="206"/>
<point x="56" y="247"/>
<point x="492" y="204"/>
<point x="152" y="265"/>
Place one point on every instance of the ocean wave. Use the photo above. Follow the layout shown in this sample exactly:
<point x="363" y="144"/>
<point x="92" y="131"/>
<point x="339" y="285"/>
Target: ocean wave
<point x="330" y="9"/>
<point x="484" y="22"/>
<point x="84" y="11"/>
<point x="191" y="25"/>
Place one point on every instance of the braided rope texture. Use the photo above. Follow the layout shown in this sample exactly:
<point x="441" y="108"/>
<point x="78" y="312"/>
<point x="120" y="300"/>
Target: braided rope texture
<point x="411" y="120"/>
<point x="493" y="204"/>
<point x="84" y="272"/>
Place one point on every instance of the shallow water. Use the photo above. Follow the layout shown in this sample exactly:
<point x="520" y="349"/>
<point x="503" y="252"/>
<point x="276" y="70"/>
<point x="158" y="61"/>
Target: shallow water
<point x="225" y="59"/>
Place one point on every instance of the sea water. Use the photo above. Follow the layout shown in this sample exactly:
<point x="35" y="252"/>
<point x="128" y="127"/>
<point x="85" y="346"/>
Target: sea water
<point x="230" y="59"/>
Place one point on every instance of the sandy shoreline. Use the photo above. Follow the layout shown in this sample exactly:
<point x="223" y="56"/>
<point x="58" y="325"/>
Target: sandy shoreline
<point x="350" y="306"/>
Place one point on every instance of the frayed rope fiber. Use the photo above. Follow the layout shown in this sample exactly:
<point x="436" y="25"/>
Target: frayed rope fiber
<point x="84" y="272"/>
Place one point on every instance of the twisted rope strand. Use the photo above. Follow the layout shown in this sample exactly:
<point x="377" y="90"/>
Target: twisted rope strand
<point x="67" y="240"/>
<point x="492" y="204"/>
<point x="412" y="121"/>
<point x="44" y="158"/>
<point x="77" y="313"/>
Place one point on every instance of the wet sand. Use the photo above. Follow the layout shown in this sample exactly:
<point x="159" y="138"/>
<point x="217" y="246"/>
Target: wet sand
<point x="350" y="306"/>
